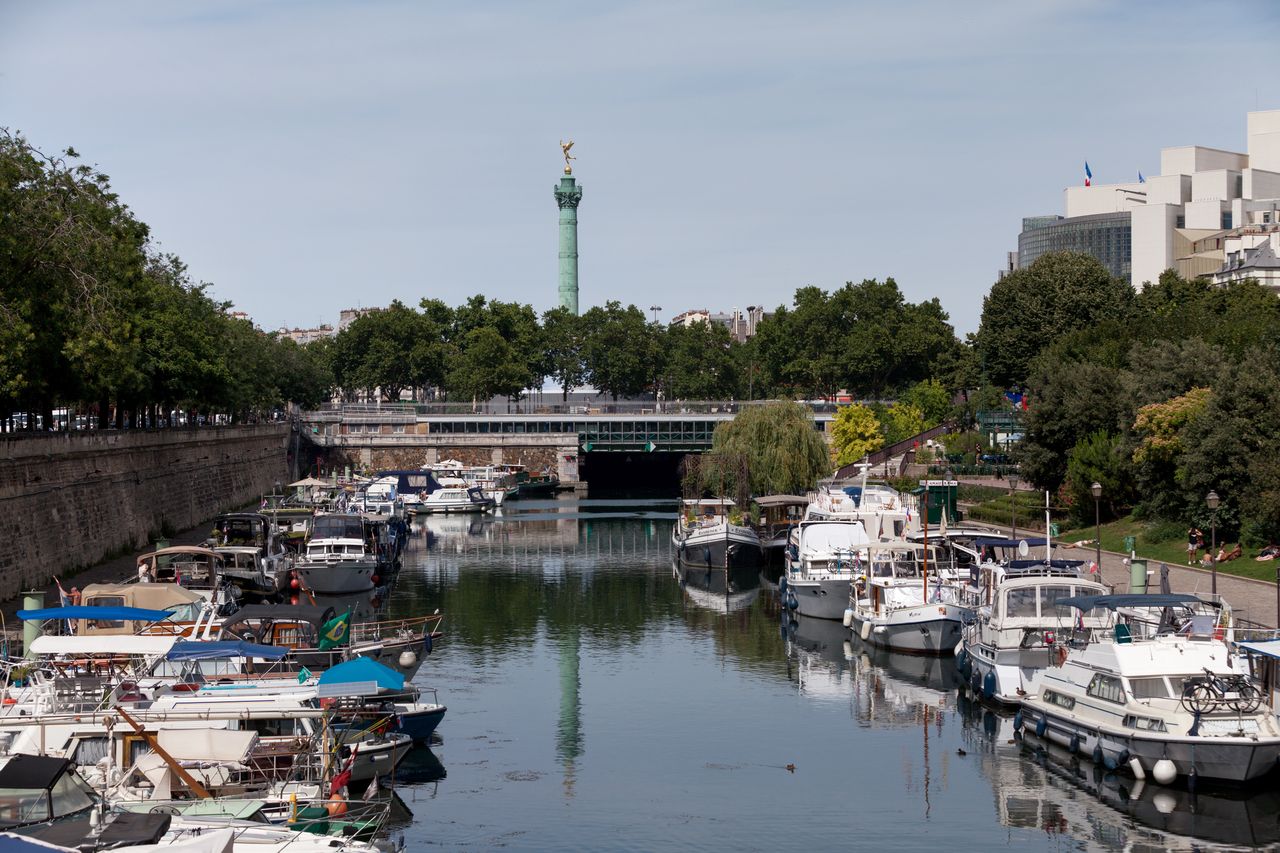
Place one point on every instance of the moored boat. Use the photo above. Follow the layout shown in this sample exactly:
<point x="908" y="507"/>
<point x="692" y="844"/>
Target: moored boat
<point x="709" y="534"/>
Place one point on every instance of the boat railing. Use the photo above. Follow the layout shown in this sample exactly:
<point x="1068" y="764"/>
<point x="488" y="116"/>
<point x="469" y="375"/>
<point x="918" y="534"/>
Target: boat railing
<point x="413" y="626"/>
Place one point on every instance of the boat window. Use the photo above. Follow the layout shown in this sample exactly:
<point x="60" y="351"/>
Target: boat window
<point x="1049" y="595"/>
<point x="106" y="601"/>
<point x="1020" y="602"/>
<point x="1106" y="687"/>
<point x="1147" y="724"/>
<point x="1149" y="688"/>
<point x="70" y="795"/>
<point x="91" y="750"/>
<point x="1058" y="699"/>
<point x="22" y="805"/>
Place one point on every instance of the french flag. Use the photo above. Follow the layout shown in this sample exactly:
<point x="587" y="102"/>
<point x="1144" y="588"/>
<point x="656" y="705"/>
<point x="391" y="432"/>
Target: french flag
<point x="1088" y="174"/>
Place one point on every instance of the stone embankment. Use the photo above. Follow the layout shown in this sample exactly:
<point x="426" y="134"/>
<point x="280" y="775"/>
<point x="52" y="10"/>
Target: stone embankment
<point x="71" y="500"/>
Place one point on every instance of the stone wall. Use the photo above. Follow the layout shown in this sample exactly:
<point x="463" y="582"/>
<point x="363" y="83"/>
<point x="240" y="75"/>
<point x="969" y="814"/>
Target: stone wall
<point x="69" y="501"/>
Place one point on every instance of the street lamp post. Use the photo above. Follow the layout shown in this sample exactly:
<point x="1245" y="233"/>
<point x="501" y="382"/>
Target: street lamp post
<point x="1013" y="506"/>
<point x="655" y="309"/>
<point x="1212" y="501"/>
<point x="1096" y="489"/>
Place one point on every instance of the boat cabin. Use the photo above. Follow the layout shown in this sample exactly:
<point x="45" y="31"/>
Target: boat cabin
<point x="185" y="565"/>
<point x="185" y="605"/>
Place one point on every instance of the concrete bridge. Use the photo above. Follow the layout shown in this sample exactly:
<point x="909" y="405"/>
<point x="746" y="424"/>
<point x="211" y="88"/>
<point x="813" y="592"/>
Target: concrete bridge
<point x="574" y="441"/>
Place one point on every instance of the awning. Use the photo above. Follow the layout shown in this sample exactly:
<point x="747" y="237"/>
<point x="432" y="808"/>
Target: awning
<point x="363" y="669"/>
<point x="1114" y="602"/>
<point x="223" y="649"/>
<point x="1270" y="648"/>
<point x="782" y="500"/>
<point x="32" y="771"/>
<point x="1002" y="542"/>
<point x="104" y="614"/>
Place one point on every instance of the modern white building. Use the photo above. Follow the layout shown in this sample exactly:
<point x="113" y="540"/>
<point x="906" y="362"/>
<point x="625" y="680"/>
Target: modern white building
<point x="1205" y="204"/>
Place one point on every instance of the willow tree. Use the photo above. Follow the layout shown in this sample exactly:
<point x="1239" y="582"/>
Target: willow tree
<point x="783" y="452"/>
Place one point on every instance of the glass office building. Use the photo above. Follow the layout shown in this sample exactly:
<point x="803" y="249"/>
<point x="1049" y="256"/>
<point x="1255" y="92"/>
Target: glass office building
<point x="1106" y="236"/>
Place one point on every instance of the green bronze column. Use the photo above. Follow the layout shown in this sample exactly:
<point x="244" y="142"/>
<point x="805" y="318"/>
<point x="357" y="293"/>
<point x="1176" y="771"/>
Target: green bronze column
<point x="568" y="195"/>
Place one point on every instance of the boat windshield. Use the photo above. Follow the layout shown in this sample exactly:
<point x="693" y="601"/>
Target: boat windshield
<point x="337" y="527"/>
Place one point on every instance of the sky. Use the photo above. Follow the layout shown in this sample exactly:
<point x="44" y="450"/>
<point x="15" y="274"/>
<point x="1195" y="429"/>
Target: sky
<point x="305" y="157"/>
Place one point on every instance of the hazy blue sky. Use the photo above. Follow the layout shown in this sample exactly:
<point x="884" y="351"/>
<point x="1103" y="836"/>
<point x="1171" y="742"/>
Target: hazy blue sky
<point x="306" y="157"/>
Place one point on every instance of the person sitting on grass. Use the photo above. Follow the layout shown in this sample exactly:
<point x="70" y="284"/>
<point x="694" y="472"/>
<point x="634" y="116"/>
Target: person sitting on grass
<point x="1225" y="556"/>
<point x="1268" y="553"/>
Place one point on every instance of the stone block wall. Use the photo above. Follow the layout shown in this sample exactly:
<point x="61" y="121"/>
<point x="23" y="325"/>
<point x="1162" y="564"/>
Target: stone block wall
<point x="69" y="501"/>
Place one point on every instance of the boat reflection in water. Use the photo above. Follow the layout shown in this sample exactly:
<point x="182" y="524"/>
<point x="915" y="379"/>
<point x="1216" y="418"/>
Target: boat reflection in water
<point x="1051" y="790"/>
<point x="719" y="589"/>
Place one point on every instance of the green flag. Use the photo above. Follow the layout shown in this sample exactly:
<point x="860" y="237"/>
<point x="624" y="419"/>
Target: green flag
<point x="335" y="631"/>
<point x="303" y="675"/>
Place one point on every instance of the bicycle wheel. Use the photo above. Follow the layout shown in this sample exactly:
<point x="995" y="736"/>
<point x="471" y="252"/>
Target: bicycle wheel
<point x="1200" y="697"/>
<point x="1248" y="698"/>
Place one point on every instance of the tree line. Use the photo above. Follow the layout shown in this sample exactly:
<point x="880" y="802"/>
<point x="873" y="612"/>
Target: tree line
<point x="95" y="319"/>
<point x="863" y="338"/>
<point x="1160" y="395"/>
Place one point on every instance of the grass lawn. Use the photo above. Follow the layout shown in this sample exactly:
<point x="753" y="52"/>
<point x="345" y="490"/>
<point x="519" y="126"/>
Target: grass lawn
<point x="996" y="505"/>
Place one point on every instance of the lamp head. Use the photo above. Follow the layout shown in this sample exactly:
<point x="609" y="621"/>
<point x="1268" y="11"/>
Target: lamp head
<point x="1096" y="488"/>
<point x="1212" y="500"/>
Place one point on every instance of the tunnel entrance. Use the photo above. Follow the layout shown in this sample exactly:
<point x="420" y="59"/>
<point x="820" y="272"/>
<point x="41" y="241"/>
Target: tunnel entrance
<point x="610" y="474"/>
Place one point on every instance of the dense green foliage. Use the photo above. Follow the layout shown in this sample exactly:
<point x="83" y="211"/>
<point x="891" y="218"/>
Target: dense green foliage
<point x="774" y="445"/>
<point x="94" y="319"/>
<point x="1161" y="396"/>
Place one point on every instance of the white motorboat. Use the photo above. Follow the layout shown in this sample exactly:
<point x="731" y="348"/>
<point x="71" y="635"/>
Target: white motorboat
<point x="821" y="561"/>
<point x="454" y="495"/>
<point x="254" y="556"/>
<point x="1015" y="619"/>
<point x="709" y="535"/>
<point x="901" y="601"/>
<point x="337" y="559"/>
<point x="1157" y="691"/>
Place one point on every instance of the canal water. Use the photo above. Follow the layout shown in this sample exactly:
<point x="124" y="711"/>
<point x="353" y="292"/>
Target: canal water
<point x="597" y="703"/>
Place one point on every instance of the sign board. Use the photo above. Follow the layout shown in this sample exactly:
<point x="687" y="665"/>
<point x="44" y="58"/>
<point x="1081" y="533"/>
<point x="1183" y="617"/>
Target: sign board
<point x="1130" y="544"/>
<point x="1054" y="530"/>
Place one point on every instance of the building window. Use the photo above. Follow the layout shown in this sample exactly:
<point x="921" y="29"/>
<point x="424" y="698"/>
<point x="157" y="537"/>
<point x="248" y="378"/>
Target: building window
<point x="1226" y="219"/>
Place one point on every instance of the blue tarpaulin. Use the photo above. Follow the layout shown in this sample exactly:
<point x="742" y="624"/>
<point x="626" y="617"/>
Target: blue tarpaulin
<point x="223" y="649"/>
<point x="363" y="669"/>
<point x="104" y="614"/>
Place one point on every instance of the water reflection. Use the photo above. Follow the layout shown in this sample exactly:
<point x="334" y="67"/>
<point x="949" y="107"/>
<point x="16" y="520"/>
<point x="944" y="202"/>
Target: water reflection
<point x="718" y="588"/>
<point x="580" y="668"/>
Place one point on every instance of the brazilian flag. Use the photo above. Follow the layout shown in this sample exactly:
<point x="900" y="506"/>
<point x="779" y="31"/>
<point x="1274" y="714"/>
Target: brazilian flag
<point x="335" y="631"/>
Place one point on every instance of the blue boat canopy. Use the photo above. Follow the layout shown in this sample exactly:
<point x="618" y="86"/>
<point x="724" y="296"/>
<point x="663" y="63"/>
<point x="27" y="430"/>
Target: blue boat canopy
<point x="105" y="614"/>
<point x="363" y="670"/>
<point x="1270" y="648"/>
<point x="1004" y="542"/>
<point x="223" y="649"/>
<point x="1113" y="602"/>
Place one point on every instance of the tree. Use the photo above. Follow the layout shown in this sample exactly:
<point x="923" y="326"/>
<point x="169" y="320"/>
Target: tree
<point x="782" y="451"/>
<point x="619" y="349"/>
<point x="1072" y="400"/>
<point x="1098" y="458"/>
<point x="1030" y="308"/>
<point x="700" y="364"/>
<point x="487" y="366"/>
<point x="931" y="398"/>
<point x="902" y="420"/>
<point x="855" y="432"/>
<point x="562" y="335"/>
<point x="1158" y="439"/>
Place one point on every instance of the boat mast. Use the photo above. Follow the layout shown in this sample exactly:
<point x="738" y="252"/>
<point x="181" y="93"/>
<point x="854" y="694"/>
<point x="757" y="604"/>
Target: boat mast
<point x="924" y="518"/>
<point x="1048" y="540"/>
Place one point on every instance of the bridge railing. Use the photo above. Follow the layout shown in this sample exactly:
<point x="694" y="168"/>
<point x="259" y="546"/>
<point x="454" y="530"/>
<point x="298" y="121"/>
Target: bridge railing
<point x="390" y="412"/>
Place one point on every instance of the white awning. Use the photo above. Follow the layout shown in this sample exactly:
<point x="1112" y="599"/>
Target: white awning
<point x="103" y="644"/>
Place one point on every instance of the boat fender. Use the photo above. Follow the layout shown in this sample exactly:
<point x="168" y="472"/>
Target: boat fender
<point x="962" y="658"/>
<point x="792" y="603"/>
<point x="848" y="618"/>
<point x="1074" y="744"/>
<point x="427" y="643"/>
<point x="1099" y="757"/>
<point x="1164" y="771"/>
<point x="1017" y="721"/>
<point x="989" y="684"/>
<point x="975" y="684"/>
<point x="782" y="585"/>
<point x="1042" y="726"/>
<point x="407" y="659"/>
<point x="1122" y="758"/>
<point x="865" y="631"/>
<point x="1135" y="767"/>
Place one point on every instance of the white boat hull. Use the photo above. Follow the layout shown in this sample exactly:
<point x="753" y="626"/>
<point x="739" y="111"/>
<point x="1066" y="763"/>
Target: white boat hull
<point x="337" y="578"/>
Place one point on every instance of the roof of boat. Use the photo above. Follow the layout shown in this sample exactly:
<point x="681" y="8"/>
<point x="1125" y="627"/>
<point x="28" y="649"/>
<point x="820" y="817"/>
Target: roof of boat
<point x="1115" y="602"/>
<point x="1270" y="648"/>
<point x="782" y="500"/>
<point x="280" y="613"/>
<point x="708" y="502"/>
<point x="157" y="595"/>
<point x="103" y="644"/>
<point x="32" y="771"/>
<point x="190" y="550"/>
